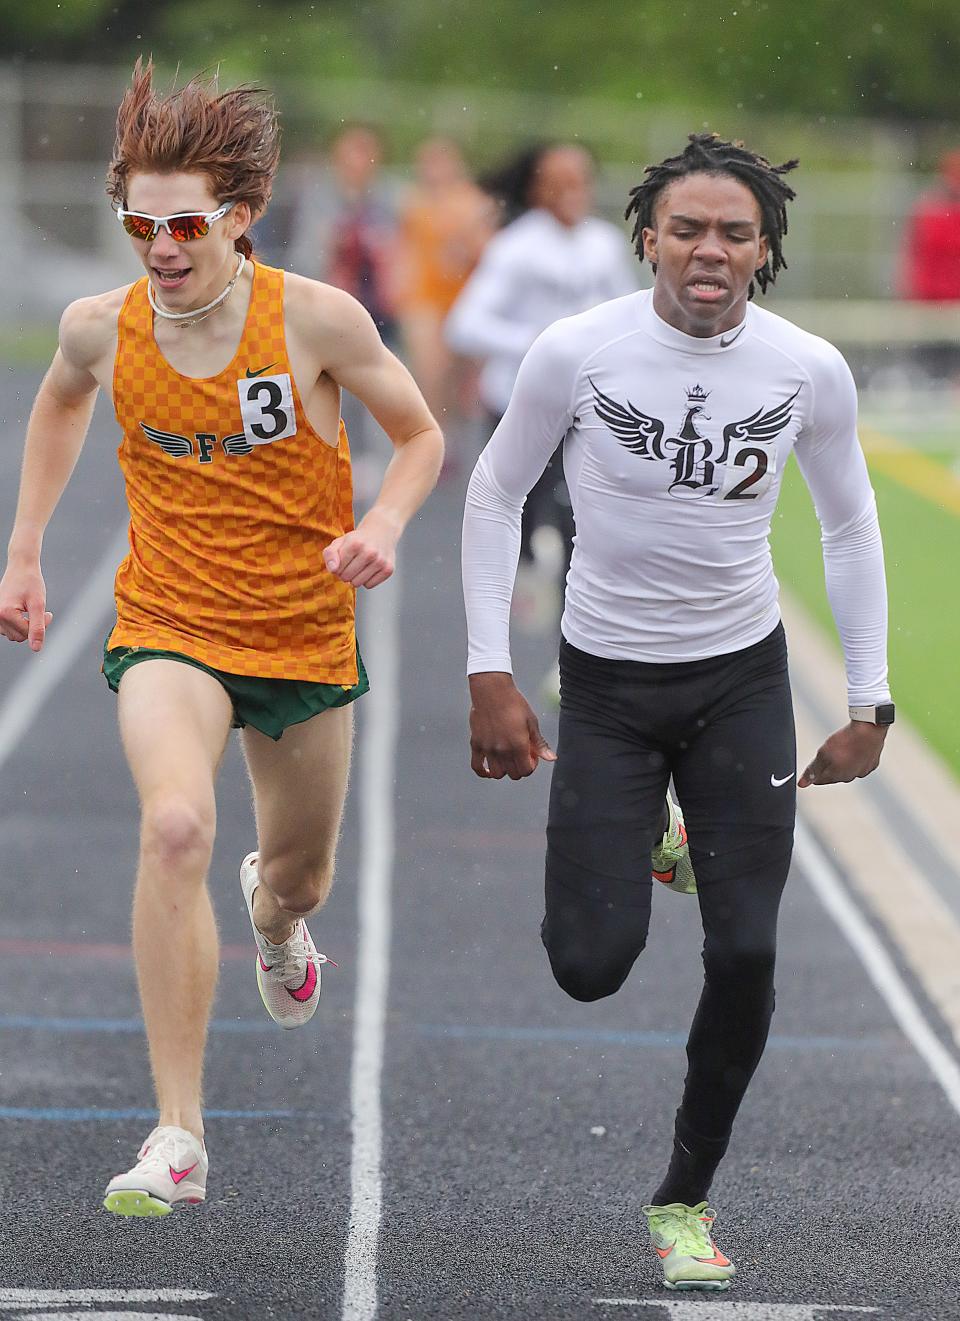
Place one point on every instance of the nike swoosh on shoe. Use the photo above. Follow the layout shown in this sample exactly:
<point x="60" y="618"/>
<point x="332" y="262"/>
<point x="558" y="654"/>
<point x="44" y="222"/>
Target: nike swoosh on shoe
<point x="305" y="991"/>
<point x="179" y="1175"/>
<point x="718" y="1259"/>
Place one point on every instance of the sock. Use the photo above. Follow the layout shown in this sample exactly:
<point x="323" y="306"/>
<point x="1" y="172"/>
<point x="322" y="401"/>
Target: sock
<point x="690" y="1173"/>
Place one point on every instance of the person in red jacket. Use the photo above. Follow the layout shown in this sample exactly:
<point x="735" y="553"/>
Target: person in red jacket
<point x="931" y="252"/>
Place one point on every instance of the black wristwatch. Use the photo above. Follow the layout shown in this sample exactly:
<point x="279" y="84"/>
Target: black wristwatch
<point x="883" y="713"/>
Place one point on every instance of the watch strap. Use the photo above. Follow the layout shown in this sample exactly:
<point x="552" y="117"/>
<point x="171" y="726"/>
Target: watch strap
<point x="882" y="713"/>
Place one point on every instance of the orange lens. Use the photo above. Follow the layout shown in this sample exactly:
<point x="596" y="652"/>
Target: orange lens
<point x="186" y="228"/>
<point x="139" y="227"/>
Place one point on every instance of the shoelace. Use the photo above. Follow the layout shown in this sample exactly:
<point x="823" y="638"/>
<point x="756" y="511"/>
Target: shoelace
<point x="670" y="847"/>
<point x="293" y="956"/>
<point x="692" y="1233"/>
<point x="164" y="1151"/>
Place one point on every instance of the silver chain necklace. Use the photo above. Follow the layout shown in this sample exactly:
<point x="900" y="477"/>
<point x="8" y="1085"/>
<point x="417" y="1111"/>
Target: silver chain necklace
<point x="184" y="319"/>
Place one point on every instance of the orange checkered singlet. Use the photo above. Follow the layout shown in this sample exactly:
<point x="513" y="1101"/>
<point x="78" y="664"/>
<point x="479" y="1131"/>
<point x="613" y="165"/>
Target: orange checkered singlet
<point x="233" y="497"/>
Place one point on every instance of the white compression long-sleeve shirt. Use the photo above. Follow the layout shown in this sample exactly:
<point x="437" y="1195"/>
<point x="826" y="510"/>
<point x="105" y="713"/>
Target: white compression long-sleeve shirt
<point x="674" y="451"/>
<point x="533" y="272"/>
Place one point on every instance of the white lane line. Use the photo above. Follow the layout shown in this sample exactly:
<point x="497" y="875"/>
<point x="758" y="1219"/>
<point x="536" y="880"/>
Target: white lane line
<point x="85" y="1315"/>
<point x="682" y="1309"/>
<point x="377" y="753"/>
<point x="66" y="638"/>
<point x="881" y="969"/>
<point x="60" y="1297"/>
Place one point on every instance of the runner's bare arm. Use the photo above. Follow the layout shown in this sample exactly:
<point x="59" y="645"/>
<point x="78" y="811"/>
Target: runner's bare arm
<point x="355" y="357"/>
<point x="56" y="431"/>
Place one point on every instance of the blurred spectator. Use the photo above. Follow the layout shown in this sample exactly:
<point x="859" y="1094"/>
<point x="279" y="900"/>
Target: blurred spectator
<point x="931" y="252"/>
<point x="345" y="227"/>
<point x="345" y="233"/>
<point x="552" y="259"/>
<point x="444" y="227"/>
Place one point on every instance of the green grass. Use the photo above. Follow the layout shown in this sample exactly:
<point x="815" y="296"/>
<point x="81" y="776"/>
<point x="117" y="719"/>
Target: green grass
<point x="922" y="550"/>
<point x="27" y="346"/>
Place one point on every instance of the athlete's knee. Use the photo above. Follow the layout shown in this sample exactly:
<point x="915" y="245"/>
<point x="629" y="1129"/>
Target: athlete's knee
<point x="177" y="831"/>
<point x="741" y="964"/>
<point x="299" y="880"/>
<point x="586" y="984"/>
<point x="583" y="972"/>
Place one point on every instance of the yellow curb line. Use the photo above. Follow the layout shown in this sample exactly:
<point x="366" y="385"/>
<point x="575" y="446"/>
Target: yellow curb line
<point x="917" y="921"/>
<point x="911" y="469"/>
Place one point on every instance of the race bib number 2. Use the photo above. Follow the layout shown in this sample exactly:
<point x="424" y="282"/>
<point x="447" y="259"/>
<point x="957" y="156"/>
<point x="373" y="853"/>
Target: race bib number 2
<point x="266" y="406"/>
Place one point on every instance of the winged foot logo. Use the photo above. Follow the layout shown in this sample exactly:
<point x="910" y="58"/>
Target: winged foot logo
<point x="693" y="458"/>
<point x="179" y="447"/>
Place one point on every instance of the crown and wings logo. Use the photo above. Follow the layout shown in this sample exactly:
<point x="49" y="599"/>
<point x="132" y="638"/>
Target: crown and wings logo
<point x="694" y="458"/>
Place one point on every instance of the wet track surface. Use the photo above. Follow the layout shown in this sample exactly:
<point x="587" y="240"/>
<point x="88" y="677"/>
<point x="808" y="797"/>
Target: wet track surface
<point x="521" y="1131"/>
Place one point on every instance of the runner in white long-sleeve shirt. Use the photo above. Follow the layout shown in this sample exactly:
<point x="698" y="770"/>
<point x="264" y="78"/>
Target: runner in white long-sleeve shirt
<point x="678" y="410"/>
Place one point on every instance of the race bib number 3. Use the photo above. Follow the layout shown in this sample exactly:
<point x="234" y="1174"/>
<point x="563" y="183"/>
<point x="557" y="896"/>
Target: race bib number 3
<point x="266" y="406"/>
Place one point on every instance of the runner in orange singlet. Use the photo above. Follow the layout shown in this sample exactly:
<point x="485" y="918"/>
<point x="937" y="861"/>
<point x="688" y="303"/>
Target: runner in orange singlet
<point x="235" y="605"/>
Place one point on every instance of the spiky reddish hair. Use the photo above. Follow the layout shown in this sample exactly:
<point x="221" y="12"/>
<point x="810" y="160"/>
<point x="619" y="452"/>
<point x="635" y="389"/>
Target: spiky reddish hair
<point x="231" y="137"/>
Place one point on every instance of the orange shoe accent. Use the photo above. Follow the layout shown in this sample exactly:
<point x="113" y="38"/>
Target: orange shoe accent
<point x="665" y="876"/>
<point x="718" y="1259"/>
<point x="663" y="1252"/>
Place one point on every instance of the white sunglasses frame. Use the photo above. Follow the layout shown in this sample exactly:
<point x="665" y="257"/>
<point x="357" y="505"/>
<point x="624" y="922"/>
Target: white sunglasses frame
<point x="163" y="222"/>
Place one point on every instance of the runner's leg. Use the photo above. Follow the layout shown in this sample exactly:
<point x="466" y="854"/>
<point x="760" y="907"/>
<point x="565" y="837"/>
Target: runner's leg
<point x="606" y="797"/>
<point x="299" y="787"/>
<point x="174" y="722"/>
<point x="741" y="836"/>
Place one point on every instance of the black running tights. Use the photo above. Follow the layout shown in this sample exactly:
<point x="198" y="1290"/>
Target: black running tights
<point x="723" y="728"/>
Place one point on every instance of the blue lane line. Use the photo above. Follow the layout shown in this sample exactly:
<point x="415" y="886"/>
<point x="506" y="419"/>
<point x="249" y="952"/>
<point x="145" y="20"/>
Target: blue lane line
<point x="601" y="1036"/>
<point x="30" y="1023"/>
<point x="84" y="1115"/>
<point x="454" y="1031"/>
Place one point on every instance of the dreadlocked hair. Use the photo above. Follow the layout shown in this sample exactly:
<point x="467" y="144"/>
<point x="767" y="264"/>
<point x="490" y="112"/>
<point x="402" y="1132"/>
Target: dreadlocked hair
<point x="231" y="137"/>
<point x="708" y="153"/>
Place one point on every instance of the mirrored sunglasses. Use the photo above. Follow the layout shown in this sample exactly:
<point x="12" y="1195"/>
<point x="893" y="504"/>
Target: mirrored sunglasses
<point x="184" y="227"/>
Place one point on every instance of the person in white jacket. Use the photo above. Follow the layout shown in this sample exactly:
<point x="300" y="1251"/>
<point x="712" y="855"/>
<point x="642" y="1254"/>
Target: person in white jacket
<point x="553" y="259"/>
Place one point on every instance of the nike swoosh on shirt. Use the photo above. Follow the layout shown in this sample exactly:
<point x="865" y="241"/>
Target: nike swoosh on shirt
<point x="262" y="369"/>
<point x="777" y="783"/>
<point x="725" y="343"/>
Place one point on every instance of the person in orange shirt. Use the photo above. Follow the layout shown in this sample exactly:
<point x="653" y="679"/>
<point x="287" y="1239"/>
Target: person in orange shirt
<point x="235" y="605"/>
<point x="444" y="226"/>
